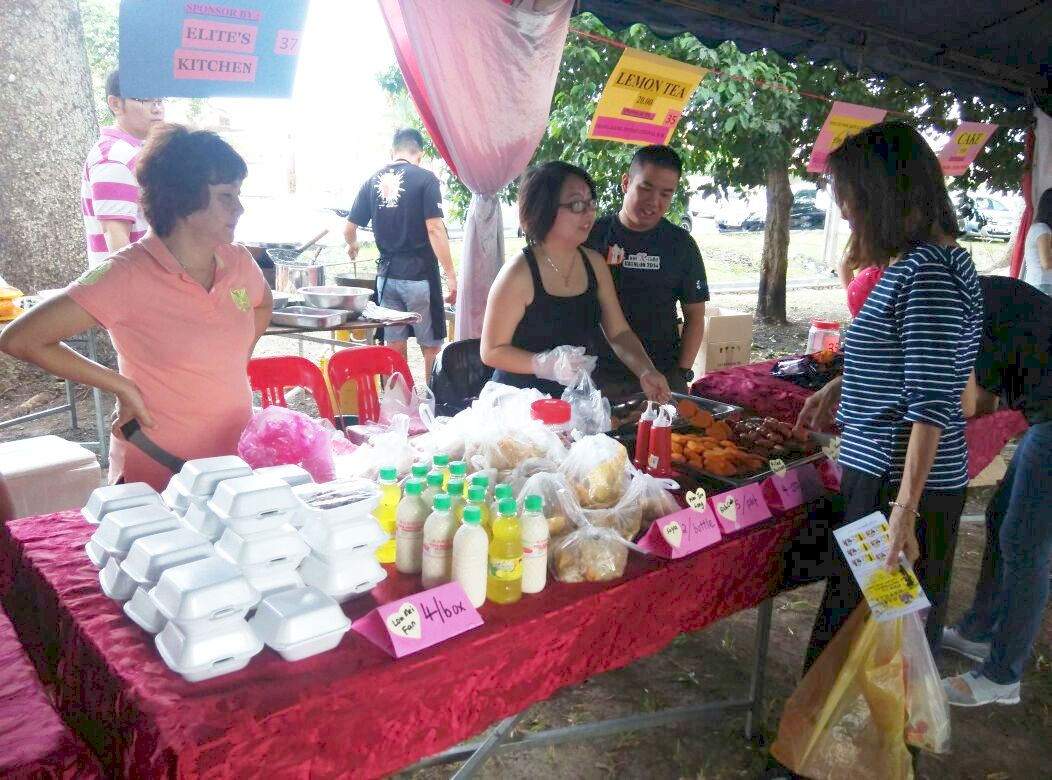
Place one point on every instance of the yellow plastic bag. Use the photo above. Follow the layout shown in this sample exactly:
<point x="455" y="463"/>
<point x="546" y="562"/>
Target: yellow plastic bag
<point x="847" y="718"/>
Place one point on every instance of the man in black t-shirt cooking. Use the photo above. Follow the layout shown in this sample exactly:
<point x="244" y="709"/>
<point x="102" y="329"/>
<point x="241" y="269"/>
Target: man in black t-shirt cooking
<point x="403" y="203"/>
<point x="655" y="265"/>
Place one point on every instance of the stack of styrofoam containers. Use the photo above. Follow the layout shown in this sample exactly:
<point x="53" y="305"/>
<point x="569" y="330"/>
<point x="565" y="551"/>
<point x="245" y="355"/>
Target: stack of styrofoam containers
<point x="148" y="558"/>
<point x="118" y="531"/>
<point x="343" y="539"/>
<point x="204" y="604"/>
<point x="111" y="498"/>
<point x="299" y="623"/>
<point x="257" y="513"/>
<point x="189" y="491"/>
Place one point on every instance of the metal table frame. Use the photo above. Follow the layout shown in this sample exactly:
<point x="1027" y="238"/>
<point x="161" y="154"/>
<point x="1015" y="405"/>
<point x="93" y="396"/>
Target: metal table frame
<point x="87" y="341"/>
<point x="501" y="739"/>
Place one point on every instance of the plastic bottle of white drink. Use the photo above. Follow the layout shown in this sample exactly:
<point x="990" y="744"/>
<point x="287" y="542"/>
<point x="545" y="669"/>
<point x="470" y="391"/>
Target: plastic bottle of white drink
<point x="471" y="555"/>
<point x="437" y="559"/>
<point x="409" y="528"/>
<point x="534" y="546"/>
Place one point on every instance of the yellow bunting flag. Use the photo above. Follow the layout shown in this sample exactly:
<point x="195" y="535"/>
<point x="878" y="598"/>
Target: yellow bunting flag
<point x="844" y="121"/>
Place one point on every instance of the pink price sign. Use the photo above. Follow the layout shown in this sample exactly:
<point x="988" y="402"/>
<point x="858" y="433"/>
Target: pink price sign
<point x="424" y="619"/>
<point x="829" y="471"/>
<point x="844" y="121"/>
<point x="681" y="533"/>
<point x="964" y="146"/>
<point x="740" y="508"/>
<point x="796" y="487"/>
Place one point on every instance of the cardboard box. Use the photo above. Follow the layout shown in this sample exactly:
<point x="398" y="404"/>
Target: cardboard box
<point x="727" y="340"/>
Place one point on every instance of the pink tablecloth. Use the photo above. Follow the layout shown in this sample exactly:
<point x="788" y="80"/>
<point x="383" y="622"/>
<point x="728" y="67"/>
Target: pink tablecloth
<point x="753" y="387"/>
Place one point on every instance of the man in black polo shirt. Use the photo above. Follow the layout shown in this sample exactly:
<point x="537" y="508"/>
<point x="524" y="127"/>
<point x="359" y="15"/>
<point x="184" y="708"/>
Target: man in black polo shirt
<point x="1013" y="369"/>
<point x="404" y="204"/>
<point x="655" y="265"/>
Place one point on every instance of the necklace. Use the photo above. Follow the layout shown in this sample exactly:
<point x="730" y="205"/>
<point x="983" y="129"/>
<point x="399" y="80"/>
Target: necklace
<point x="564" y="276"/>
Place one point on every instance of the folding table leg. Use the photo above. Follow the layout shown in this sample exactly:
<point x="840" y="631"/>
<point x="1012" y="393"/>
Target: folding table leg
<point x="491" y="743"/>
<point x="71" y="402"/>
<point x="754" y="720"/>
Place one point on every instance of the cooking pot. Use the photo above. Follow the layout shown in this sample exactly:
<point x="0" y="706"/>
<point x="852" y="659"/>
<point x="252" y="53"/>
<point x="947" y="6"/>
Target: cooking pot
<point x="289" y="277"/>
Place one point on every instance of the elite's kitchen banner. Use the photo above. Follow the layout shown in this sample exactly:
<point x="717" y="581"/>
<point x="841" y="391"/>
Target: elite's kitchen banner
<point x="239" y="48"/>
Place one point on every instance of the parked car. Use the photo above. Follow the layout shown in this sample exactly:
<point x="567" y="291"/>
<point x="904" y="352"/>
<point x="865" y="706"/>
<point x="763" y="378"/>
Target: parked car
<point x="986" y="218"/>
<point x="804" y="214"/>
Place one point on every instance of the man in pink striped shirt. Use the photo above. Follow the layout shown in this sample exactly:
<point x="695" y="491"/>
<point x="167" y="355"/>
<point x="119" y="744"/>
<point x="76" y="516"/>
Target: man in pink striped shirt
<point x="109" y="193"/>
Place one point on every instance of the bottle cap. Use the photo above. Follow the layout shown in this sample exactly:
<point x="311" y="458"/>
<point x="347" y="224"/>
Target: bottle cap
<point x="534" y="503"/>
<point x="434" y="480"/>
<point x="388" y="474"/>
<point x="458" y="468"/>
<point x="414" y="486"/>
<point x="550" y="411"/>
<point x="507" y="506"/>
<point x="455" y="487"/>
<point x="440" y="460"/>
<point x="480" y="479"/>
<point x="420" y="471"/>
<point x="503" y="491"/>
<point x="441" y="502"/>
<point x="825" y="325"/>
<point x="476" y="493"/>
<point x="472" y="514"/>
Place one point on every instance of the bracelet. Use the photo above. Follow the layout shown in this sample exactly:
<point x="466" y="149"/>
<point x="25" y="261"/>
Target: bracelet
<point x="916" y="514"/>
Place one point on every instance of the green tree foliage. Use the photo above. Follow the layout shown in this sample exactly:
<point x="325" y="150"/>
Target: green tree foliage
<point x="101" y="41"/>
<point x="740" y="133"/>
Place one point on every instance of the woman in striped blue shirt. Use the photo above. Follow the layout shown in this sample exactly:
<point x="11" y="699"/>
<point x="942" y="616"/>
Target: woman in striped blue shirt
<point x="907" y="357"/>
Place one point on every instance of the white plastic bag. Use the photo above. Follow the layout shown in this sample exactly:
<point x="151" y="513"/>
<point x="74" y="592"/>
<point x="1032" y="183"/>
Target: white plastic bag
<point x="590" y="412"/>
<point x="399" y="398"/>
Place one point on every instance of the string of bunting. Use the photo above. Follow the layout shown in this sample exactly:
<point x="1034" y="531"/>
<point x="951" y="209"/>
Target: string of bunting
<point x="646" y="94"/>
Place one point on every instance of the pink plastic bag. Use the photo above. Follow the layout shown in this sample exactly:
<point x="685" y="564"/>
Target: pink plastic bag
<point x="276" y="436"/>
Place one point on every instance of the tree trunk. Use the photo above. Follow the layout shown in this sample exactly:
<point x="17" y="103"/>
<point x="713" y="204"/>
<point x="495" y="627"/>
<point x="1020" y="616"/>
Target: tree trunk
<point x="47" y="125"/>
<point x="770" y="305"/>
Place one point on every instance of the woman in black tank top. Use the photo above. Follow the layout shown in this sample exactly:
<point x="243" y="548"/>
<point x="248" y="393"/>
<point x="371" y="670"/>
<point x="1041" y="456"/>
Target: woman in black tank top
<point x="555" y="296"/>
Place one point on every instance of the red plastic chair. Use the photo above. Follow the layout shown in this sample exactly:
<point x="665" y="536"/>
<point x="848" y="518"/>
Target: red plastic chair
<point x="364" y="365"/>
<point x="271" y="375"/>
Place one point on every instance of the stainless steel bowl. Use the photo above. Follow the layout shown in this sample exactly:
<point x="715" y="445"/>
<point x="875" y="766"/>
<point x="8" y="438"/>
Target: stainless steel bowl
<point x="281" y="299"/>
<point x="353" y="299"/>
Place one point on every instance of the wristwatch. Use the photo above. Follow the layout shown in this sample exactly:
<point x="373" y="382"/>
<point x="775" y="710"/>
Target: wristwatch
<point x="688" y="374"/>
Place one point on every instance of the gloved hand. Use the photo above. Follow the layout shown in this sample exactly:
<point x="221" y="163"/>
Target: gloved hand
<point x="562" y="364"/>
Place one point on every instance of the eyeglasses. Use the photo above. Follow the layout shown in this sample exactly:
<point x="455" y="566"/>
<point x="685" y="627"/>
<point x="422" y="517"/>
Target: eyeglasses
<point x="151" y="102"/>
<point x="580" y="206"/>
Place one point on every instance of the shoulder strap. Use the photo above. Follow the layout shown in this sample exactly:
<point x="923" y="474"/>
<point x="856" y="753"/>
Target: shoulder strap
<point x="592" y="281"/>
<point x="535" y="272"/>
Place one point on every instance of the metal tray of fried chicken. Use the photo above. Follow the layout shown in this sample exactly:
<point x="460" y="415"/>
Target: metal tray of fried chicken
<point x="756" y="442"/>
<point x="625" y="415"/>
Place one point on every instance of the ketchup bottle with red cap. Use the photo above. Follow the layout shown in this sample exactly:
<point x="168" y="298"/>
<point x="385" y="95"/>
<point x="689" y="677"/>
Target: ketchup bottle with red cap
<point x="646" y="422"/>
<point x="659" y="461"/>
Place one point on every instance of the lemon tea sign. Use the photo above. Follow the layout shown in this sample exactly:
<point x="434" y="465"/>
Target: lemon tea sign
<point x="644" y="99"/>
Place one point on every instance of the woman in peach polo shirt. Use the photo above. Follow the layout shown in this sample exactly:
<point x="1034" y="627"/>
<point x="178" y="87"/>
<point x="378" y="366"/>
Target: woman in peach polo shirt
<point x="184" y="307"/>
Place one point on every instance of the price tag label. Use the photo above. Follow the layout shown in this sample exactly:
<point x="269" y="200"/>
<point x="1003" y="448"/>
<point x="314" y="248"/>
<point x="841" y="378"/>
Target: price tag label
<point x="777" y="466"/>
<point x="696" y="499"/>
<point x="419" y="621"/>
<point x="740" y="508"/>
<point x="681" y="533"/>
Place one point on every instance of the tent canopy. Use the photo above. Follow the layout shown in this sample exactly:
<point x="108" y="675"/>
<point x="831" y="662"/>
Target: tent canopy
<point x="994" y="50"/>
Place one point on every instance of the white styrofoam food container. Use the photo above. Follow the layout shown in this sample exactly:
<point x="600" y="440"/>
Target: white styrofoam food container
<point x="344" y="577"/>
<point x="300" y="623"/>
<point x="200" y="657"/>
<point x="110" y="498"/>
<point x="282" y="548"/>
<point x="289" y="473"/>
<point x="144" y="612"/>
<point x="274" y="581"/>
<point x="199" y="594"/>
<point x="119" y="530"/>
<point x="151" y="555"/>
<point x="330" y="539"/>
<point x="116" y="583"/>
<point x="201" y="476"/>
<point x="342" y="499"/>
<point x="200" y="517"/>
<point x="254" y="504"/>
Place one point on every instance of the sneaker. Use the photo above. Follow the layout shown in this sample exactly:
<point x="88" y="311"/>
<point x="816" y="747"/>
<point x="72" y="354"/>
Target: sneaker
<point x="952" y="640"/>
<point x="973" y="690"/>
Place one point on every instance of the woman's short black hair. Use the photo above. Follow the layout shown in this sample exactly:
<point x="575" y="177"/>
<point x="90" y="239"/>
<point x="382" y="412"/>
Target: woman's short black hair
<point x="1043" y="213"/>
<point x="175" y="168"/>
<point x="891" y="182"/>
<point x="539" y="196"/>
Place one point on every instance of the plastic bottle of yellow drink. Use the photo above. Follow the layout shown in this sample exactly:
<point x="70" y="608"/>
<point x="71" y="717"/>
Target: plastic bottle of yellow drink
<point x="504" y="577"/>
<point x="390" y="495"/>
<point x="458" y="469"/>
<point x="440" y="464"/>
<point x="477" y="497"/>
<point x="455" y="489"/>
<point x="500" y="493"/>
<point x="482" y="479"/>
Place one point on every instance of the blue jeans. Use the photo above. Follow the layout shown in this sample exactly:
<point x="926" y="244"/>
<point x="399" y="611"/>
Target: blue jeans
<point x="1013" y="582"/>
